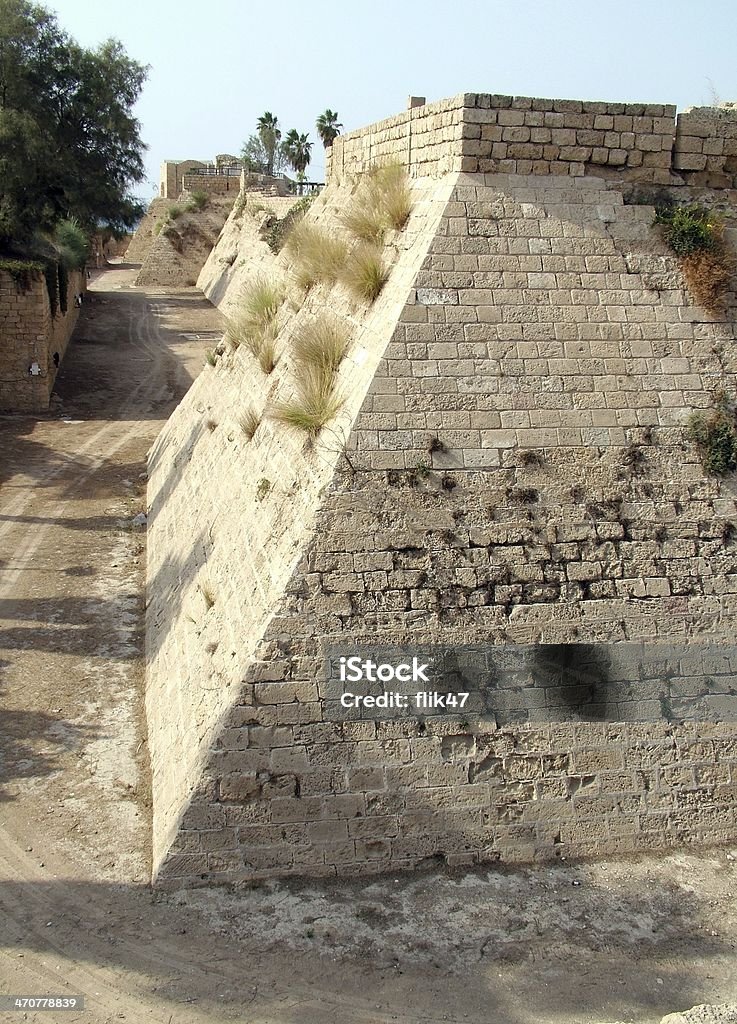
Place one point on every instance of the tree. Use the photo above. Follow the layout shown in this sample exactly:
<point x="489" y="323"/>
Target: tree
<point x="69" y="145"/>
<point x="255" y="157"/>
<point x="268" y="131"/>
<point x="328" y="127"/>
<point x="297" y="150"/>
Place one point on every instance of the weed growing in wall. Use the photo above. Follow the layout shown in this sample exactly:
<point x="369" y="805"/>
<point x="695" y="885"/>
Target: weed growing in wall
<point x="715" y="435"/>
<point x="255" y="322"/>
<point x="281" y="227"/>
<point x="364" y="273"/>
<point x="316" y="256"/>
<point x="383" y="201"/>
<point x="318" y="350"/>
<point x="695" y="234"/>
<point x="248" y="422"/>
<point x="198" y="201"/>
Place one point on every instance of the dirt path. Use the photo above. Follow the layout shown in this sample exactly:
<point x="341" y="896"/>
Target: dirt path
<point x="625" y="941"/>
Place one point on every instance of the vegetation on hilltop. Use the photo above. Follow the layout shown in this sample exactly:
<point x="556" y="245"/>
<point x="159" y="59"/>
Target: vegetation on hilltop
<point x="69" y="144"/>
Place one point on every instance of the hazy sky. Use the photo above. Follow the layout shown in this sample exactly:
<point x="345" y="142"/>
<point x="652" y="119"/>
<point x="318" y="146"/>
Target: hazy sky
<point x="215" y="67"/>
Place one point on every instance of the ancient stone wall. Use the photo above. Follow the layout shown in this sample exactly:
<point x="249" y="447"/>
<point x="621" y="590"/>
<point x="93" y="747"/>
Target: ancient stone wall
<point x="146" y="233"/>
<point x="478" y="132"/>
<point x="516" y="472"/>
<point x="213" y="184"/>
<point x="30" y="333"/>
<point x="179" y="249"/>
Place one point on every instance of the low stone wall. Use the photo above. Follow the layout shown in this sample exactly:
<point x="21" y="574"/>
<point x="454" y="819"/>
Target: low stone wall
<point x="30" y="333"/>
<point x="213" y="184"/>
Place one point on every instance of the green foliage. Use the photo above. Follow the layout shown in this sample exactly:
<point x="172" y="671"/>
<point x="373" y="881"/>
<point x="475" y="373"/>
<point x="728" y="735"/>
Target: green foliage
<point x="69" y="144"/>
<point x="316" y="255"/>
<point x="280" y="229"/>
<point x="198" y="201"/>
<point x="157" y="227"/>
<point x="175" y="211"/>
<point x="689" y="229"/>
<point x="328" y="127"/>
<point x="716" y="437"/>
<point x="263" y="488"/>
<point x="297" y="150"/>
<point x="22" y="271"/>
<point x="211" y="357"/>
<point x="364" y="273"/>
<point x="71" y="243"/>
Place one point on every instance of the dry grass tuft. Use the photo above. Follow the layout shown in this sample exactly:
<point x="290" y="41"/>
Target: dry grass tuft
<point x="709" y="274"/>
<point x="321" y="345"/>
<point x="364" y="273"/>
<point x="316" y="256"/>
<point x="248" y="422"/>
<point x="314" y="404"/>
<point x="383" y="201"/>
<point x="255" y="323"/>
<point x="392" y="184"/>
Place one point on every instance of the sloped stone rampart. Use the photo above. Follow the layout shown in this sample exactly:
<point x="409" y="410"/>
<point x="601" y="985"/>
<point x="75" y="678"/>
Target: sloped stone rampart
<point x="145" y="234"/>
<point x="516" y="472"/>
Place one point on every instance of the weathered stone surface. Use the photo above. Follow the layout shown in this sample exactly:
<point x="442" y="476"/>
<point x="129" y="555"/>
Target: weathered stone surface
<point x="518" y="474"/>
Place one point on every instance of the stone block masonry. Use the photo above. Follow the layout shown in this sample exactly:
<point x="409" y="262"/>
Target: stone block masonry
<point x="479" y="132"/>
<point x="30" y="333"/>
<point x="509" y="467"/>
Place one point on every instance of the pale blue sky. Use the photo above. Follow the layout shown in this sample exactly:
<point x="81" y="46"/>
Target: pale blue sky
<point x="215" y="67"/>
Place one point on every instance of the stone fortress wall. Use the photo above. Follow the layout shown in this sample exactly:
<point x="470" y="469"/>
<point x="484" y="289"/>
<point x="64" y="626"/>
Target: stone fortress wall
<point x="509" y="467"/>
<point x="481" y="133"/>
<point x="31" y="333"/>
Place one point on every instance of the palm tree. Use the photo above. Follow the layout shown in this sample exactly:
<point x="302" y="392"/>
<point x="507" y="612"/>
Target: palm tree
<point x="328" y="127"/>
<point x="269" y="133"/>
<point x="297" y="149"/>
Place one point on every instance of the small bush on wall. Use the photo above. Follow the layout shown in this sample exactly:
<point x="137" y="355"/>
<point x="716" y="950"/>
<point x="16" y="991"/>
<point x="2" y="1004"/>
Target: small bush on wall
<point x="696" y="235"/>
<point x="715" y="435"/>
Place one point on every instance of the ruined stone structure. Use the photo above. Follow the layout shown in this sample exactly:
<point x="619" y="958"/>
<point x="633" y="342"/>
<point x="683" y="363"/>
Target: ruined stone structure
<point x="509" y="467"/>
<point x="31" y="333"/>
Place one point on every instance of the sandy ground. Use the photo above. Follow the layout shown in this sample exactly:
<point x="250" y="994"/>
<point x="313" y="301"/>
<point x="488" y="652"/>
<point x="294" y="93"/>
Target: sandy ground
<point x="567" y="944"/>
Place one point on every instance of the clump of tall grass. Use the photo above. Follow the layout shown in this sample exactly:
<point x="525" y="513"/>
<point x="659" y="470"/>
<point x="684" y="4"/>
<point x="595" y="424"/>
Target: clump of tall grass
<point x="316" y="255"/>
<point x="364" y="273"/>
<point x="383" y="201"/>
<point x="255" y="322"/>
<point x="249" y="421"/>
<point x="321" y="345"/>
<point x="696" y="236"/>
<point x="314" y="404"/>
<point x="318" y="350"/>
<point x="198" y="200"/>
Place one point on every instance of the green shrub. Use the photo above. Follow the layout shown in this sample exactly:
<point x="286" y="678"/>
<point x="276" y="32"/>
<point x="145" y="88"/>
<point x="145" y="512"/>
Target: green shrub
<point x="211" y="357"/>
<point x="198" y="200"/>
<point x="174" y="211"/>
<point x="364" y="273"/>
<point x="689" y="228"/>
<point x="716" y="437"/>
<point x="71" y="243"/>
